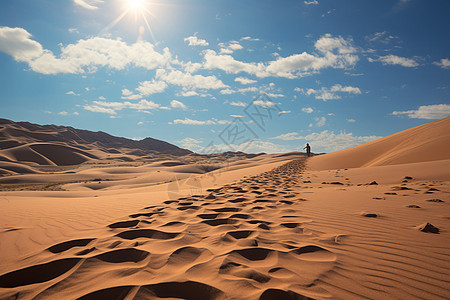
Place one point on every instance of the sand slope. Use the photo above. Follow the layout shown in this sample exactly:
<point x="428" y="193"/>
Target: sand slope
<point x="427" y="142"/>
<point x="18" y="133"/>
<point x="289" y="233"/>
<point x="259" y="227"/>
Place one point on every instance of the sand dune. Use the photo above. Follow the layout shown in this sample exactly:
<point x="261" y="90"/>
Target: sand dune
<point x="257" y="227"/>
<point x="20" y="133"/>
<point x="428" y="142"/>
<point x="47" y="154"/>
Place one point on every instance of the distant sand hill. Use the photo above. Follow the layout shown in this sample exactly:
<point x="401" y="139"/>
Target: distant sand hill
<point x="428" y="142"/>
<point x="68" y="139"/>
<point x="24" y="145"/>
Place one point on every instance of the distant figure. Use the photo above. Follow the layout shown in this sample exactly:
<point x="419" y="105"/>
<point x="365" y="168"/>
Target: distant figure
<point x="308" y="149"/>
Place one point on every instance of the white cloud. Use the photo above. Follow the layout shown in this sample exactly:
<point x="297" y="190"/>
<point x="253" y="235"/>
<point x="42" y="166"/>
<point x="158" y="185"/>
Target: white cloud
<point x="63" y="113"/>
<point x="227" y="92"/>
<point x="141" y="105"/>
<point x="345" y="89"/>
<point x="429" y="112"/>
<point x="383" y="37"/>
<point x="84" y="56"/>
<point x="99" y="109"/>
<point x="195" y="41"/>
<point x="227" y="63"/>
<point x="325" y="93"/>
<point x="178" y="104"/>
<point x="140" y="123"/>
<point x="73" y="30"/>
<point x="272" y="95"/>
<point x="191" y="144"/>
<point x="444" y="63"/>
<point x="290" y="136"/>
<point x="188" y="121"/>
<point x="255" y="146"/>
<point x="126" y="92"/>
<point x="307" y="110"/>
<point x="312" y="2"/>
<point x="189" y="81"/>
<point x="132" y="97"/>
<point x="17" y="43"/>
<point x="72" y="93"/>
<point x="189" y="67"/>
<point x="249" y="38"/>
<point x="335" y="52"/>
<point x="244" y="80"/>
<point x="88" y="4"/>
<point x="241" y="90"/>
<point x="328" y="44"/>
<point x="396" y="60"/>
<point x="146" y="88"/>
<point x="113" y="107"/>
<point x="188" y="93"/>
<point x="238" y="103"/>
<point x="230" y="47"/>
<point x="351" y="120"/>
<point x="320" y="121"/>
<point x="328" y="141"/>
<point x="264" y="103"/>
<point x="284" y="112"/>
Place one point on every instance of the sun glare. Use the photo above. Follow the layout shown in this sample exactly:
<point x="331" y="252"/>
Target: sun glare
<point x="136" y="5"/>
<point x="141" y="10"/>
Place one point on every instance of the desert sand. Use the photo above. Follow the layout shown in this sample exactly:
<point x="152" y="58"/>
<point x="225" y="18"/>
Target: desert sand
<point x="371" y="221"/>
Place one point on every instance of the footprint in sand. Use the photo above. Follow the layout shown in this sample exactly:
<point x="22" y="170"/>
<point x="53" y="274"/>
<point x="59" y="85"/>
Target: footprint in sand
<point x="277" y="294"/>
<point x="124" y="224"/>
<point x="240" y="216"/>
<point x="290" y="225"/>
<point x="123" y="255"/>
<point x="194" y="207"/>
<point x="64" y="246"/>
<point x="238" y="200"/>
<point x="369" y="215"/>
<point x="240" y="234"/>
<point x="173" y="290"/>
<point x="146" y="233"/>
<point x="208" y="216"/>
<point x="217" y="222"/>
<point x="134" y="216"/>
<point x="227" y="209"/>
<point x="38" y="273"/>
<point x="314" y="253"/>
<point x="435" y="200"/>
<point x="286" y="202"/>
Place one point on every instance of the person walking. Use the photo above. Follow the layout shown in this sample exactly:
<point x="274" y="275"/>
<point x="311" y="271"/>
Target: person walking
<point x="308" y="149"/>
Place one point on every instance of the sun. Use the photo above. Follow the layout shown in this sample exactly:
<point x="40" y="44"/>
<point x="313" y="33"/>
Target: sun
<point x="136" y="5"/>
<point x="141" y="10"/>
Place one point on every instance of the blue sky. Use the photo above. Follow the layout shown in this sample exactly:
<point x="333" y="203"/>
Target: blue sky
<point x="258" y="76"/>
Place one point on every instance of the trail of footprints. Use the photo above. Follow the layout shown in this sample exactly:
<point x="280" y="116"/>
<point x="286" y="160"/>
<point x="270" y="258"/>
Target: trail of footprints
<point x="247" y="234"/>
<point x="232" y="221"/>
